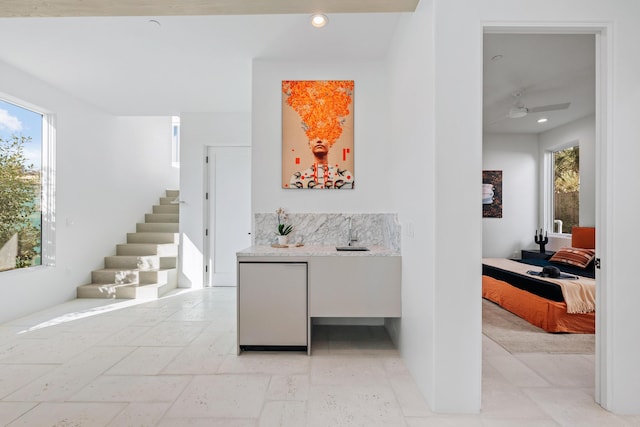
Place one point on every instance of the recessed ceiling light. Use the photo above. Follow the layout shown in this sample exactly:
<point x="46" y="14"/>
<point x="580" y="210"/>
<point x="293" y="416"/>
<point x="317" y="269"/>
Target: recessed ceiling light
<point x="543" y="120"/>
<point x="319" y="20"/>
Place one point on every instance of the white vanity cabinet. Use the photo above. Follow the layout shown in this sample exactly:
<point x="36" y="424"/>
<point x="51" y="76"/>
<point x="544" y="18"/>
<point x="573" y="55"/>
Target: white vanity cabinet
<point x="272" y="304"/>
<point x="280" y="291"/>
<point x="355" y="286"/>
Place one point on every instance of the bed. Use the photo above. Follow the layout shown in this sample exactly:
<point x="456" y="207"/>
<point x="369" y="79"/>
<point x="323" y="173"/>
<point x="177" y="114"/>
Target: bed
<point x="565" y="305"/>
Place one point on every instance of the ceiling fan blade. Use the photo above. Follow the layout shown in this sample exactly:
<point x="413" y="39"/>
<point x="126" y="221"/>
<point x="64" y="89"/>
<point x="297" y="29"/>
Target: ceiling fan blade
<point x="493" y="122"/>
<point x="552" y="107"/>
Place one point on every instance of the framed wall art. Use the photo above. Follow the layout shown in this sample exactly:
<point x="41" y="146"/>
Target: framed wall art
<point x="492" y="194"/>
<point x="317" y="134"/>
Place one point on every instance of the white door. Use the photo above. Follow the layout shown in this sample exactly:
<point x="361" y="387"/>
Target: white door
<point x="229" y="211"/>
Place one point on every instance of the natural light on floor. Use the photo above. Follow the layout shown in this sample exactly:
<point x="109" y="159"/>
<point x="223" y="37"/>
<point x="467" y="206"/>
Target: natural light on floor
<point x="94" y="311"/>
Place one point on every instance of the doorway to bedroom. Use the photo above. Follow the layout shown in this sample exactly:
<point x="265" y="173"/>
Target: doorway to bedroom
<point x="539" y="99"/>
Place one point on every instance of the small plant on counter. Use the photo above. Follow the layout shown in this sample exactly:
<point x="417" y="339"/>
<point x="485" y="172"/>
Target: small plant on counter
<point x="283" y="227"/>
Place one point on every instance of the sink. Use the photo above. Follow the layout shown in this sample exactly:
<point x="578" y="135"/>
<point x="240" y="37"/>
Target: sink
<point x="351" y="248"/>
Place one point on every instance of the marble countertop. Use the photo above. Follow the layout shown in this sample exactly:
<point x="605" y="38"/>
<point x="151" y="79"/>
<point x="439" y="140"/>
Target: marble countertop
<point x="314" y="250"/>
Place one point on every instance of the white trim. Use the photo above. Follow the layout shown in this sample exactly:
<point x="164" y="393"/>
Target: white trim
<point x="175" y="142"/>
<point x="209" y="170"/>
<point x="604" y="179"/>
<point x="564" y="146"/>
<point x="547" y="191"/>
<point x="23" y="104"/>
<point x="48" y="243"/>
<point x="596" y="28"/>
<point x="604" y="224"/>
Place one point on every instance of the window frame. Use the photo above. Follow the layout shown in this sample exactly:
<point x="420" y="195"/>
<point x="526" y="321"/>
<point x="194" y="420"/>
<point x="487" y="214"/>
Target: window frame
<point x="175" y="141"/>
<point x="48" y="243"/>
<point x="47" y="184"/>
<point x="549" y="186"/>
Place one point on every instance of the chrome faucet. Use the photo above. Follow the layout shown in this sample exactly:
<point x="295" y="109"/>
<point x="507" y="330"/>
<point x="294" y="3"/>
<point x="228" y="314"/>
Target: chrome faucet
<point x="353" y="237"/>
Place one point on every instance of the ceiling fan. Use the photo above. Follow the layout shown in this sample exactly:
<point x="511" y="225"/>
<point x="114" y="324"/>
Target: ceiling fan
<point x="519" y="110"/>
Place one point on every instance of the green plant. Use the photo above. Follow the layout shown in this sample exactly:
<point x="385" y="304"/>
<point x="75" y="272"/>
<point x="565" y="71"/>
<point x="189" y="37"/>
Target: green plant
<point x="283" y="227"/>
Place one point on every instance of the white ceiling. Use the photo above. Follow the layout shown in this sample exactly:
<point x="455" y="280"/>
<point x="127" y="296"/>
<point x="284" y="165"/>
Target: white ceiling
<point x="163" y="65"/>
<point x="131" y="66"/>
<point x="549" y="69"/>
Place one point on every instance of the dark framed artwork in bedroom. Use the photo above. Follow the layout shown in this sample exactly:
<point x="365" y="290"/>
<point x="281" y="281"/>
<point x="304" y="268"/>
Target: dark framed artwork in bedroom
<point x="492" y="194"/>
<point x="317" y="134"/>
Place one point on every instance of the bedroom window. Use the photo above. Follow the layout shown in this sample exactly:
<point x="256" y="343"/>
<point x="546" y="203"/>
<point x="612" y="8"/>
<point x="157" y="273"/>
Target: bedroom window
<point x="566" y="189"/>
<point x="26" y="187"/>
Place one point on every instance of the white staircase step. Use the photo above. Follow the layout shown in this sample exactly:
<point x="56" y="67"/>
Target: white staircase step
<point x="153" y="284"/>
<point x="169" y="200"/>
<point x="153" y="237"/>
<point x="169" y="262"/>
<point x="162" y="249"/>
<point x="157" y="227"/>
<point x="115" y="276"/>
<point x="99" y="290"/>
<point x="142" y="262"/>
<point x="161" y="217"/>
<point x="149" y="291"/>
<point x="166" y="209"/>
<point x="92" y="291"/>
<point x="172" y="193"/>
<point x="162" y="276"/>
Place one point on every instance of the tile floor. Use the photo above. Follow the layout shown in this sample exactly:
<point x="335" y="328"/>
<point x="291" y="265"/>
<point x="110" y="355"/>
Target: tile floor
<point x="172" y="362"/>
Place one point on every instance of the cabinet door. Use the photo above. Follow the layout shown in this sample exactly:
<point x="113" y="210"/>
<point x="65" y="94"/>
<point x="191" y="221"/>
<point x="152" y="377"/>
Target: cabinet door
<point x="355" y="286"/>
<point x="272" y="304"/>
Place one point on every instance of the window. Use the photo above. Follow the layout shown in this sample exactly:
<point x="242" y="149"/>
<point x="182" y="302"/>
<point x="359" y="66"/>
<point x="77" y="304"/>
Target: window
<point x="25" y="189"/>
<point x="566" y="189"/>
<point x="175" y="141"/>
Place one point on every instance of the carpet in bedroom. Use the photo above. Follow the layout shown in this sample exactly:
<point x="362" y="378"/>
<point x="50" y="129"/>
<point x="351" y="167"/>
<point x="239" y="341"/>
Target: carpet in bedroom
<point x="516" y="335"/>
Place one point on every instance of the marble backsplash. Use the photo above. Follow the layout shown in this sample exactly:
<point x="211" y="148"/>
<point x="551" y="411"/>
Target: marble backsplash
<point x="371" y="229"/>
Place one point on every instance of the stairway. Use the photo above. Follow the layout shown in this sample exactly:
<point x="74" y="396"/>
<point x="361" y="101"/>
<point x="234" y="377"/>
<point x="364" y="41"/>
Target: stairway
<point x="146" y="266"/>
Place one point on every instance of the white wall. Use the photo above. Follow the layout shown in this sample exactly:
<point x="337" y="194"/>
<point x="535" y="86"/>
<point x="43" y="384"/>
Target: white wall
<point x="109" y="172"/>
<point x="411" y="94"/>
<point x="145" y="145"/>
<point x="372" y="145"/>
<point x="197" y="132"/>
<point x="582" y="131"/>
<point x="458" y="65"/>
<point x="458" y="239"/>
<point x="517" y="157"/>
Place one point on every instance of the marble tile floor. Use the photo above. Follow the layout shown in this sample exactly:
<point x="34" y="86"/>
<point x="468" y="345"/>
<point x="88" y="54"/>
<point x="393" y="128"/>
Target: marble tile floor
<point x="172" y="362"/>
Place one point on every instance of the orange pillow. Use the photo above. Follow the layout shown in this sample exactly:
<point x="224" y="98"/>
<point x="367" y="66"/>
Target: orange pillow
<point x="578" y="257"/>
<point x="583" y="237"/>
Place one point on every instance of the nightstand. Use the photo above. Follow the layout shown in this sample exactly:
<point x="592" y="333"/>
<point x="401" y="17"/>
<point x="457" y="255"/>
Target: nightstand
<point x="534" y="253"/>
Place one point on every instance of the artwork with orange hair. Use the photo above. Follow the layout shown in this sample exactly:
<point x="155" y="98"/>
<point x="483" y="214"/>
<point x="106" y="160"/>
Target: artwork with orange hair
<point x="317" y="131"/>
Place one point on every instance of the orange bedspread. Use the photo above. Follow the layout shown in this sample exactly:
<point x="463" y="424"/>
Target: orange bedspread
<point x="546" y="314"/>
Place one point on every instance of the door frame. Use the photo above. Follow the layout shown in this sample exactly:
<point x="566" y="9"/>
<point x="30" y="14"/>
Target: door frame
<point x="604" y="169"/>
<point x="207" y="265"/>
<point x="208" y="227"/>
